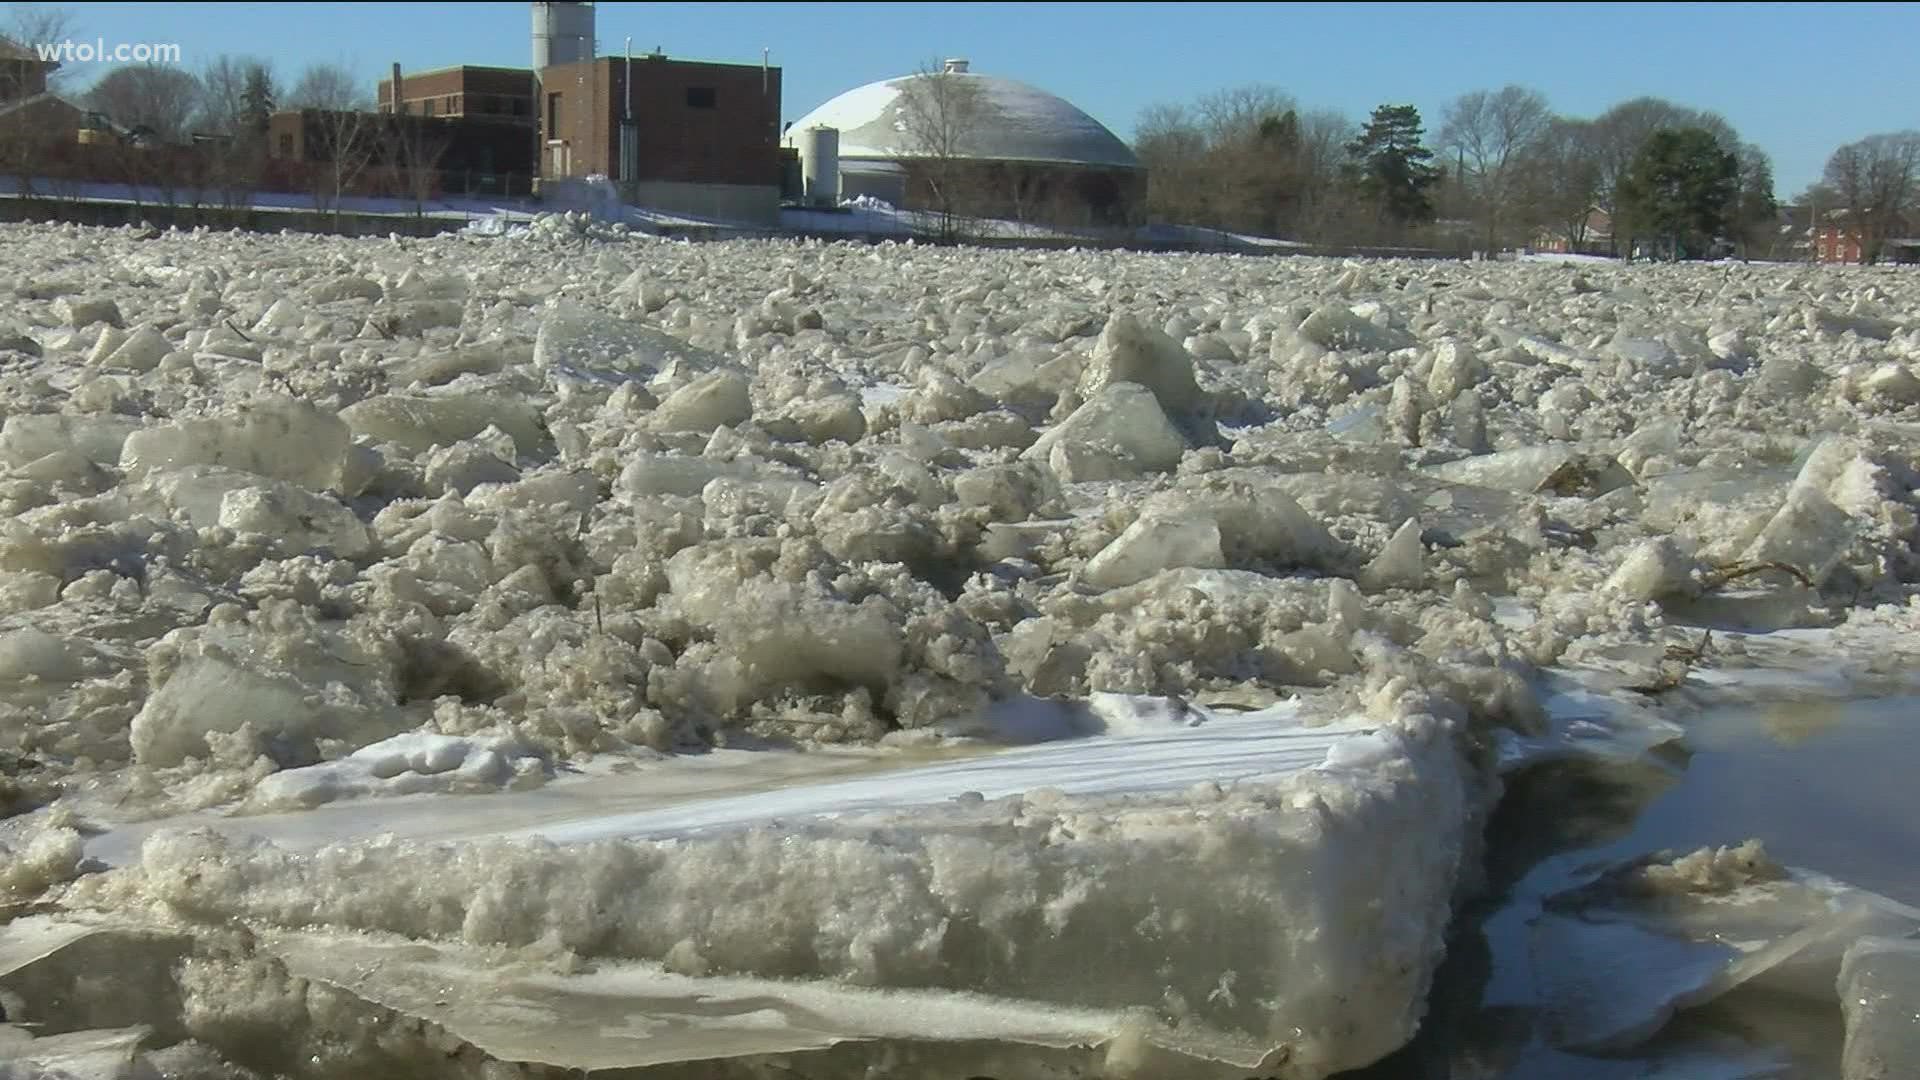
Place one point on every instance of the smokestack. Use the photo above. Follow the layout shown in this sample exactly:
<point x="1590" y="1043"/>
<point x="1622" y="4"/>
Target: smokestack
<point x="394" y="99"/>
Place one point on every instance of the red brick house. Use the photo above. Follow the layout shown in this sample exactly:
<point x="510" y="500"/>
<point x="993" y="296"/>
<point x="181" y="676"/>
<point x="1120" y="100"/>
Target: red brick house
<point x="1839" y="238"/>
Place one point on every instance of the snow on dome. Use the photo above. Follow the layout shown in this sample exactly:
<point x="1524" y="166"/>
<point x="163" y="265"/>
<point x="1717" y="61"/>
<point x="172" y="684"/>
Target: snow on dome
<point x="1025" y="123"/>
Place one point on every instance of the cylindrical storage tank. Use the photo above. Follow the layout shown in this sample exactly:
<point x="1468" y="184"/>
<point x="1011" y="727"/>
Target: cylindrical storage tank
<point x="820" y="165"/>
<point x="562" y="34"/>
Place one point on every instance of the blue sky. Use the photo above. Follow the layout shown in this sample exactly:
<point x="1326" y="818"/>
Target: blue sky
<point x="1798" y="79"/>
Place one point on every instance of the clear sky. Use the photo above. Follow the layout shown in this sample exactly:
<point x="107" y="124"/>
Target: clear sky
<point x="1797" y="79"/>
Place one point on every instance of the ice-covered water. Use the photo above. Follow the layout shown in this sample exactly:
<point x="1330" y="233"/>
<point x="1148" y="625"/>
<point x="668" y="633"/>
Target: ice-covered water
<point x="1823" y="783"/>
<point x="572" y="606"/>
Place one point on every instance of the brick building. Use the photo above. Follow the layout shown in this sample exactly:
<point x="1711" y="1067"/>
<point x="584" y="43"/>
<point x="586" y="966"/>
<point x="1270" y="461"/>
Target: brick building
<point x="494" y="93"/>
<point x="704" y="136"/>
<point x="1840" y="238"/>
<point x="22" y="73"/>
<point x="464" y="155"/>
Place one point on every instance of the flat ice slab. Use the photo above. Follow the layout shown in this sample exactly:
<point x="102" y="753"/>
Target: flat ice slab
<point x="1145" y="746"/>
<point x="1240" y="888"/>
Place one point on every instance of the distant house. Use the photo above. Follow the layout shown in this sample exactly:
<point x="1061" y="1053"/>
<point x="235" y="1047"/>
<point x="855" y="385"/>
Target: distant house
<point x="1840" y="238"/>
<point x="42" y="117"/>
<point x="22" y="73"/>
<point x="1595" y="237"/>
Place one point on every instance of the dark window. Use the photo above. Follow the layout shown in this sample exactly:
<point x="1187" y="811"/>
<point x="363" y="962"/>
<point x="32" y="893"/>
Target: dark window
<point x="553" y="116"/>
<point x="286" y="146"/>
<point x="428" y="106"/>
<point x="700" y="97"/>
<point x="519" y="106"/>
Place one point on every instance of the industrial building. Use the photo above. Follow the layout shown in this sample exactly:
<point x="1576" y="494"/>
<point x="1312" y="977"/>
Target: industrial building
<point x="683" y="136"/>
<point x="1020" y="153"/>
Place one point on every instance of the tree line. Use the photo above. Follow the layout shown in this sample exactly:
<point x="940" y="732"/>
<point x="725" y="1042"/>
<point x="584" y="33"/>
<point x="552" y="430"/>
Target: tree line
<point x="1501" y="170"/>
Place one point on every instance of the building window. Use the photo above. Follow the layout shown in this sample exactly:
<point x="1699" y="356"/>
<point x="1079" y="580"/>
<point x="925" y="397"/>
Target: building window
<point x="427" y="107"/>
<point x="553" y="116"/>
<point x="286" y="145"/>
<point x="700" y="97"/>
<point x="519" y="106"/>
<point x="453" y="104"/>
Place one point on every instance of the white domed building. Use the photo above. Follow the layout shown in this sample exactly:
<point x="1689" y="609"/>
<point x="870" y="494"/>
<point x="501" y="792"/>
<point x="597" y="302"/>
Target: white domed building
<point x="1022" y="153"/>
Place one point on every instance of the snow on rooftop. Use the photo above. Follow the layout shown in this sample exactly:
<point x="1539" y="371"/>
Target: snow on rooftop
<point x="1026" y="124"/>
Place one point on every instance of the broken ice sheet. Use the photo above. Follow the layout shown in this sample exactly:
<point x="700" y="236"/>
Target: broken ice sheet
<point x="1880" y="994"/>
<point x="1616" y="959"/>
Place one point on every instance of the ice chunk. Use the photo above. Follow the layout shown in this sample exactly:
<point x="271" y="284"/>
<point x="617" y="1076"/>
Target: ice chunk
<point x="1340" y="326"/>
<point x="1655" y="569"/>
<point x="31" y="436"/>
<point x="295" y="520"/>
<point x="1649" y="356"/>
<point x="1152" y="544"/>
<point x="1892" y="383"/>
<point x="716" y="399"/>
<point x="582" y="343"/>
<point x="418" y="422"/>
<point x="407" y="764"/>
<point x="283" y="438"/>
<point x="286" y="688"/>
<point x="78" y="313"/>
<point x="1880" y="996"/>
<point x="1821" y="321"/>
<point x="1809" y="532"/>
<point x="1128" y="352"/>
<point x="1455" y="368"/>
<point x="344" y="287"/>
<point x="94" y="1054"/>
<point x="1029" y="378"/>
<point x="1355" y="855"/>
<point x="834" y="418"/>
<point x="1552" y="470"/>
<point x="140" y="351"/>
<point x="1784" y="376"/>
<point x="1618" y="958"/>
<point x="669" y="474"/>
<point x="1258" y="520"/>
<point x="1120" y="432"/>
<point x="31" y="653"/>
<point x="1401" y="564"/>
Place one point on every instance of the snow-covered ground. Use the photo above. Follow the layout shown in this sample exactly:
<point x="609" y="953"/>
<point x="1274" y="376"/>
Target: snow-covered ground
<point x="1108" y="656"/>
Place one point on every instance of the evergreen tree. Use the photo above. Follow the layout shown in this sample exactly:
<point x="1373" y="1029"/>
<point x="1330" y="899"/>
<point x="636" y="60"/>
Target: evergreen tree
<point x="1391" y="168"/>
<point x="1681" y="188"/>
<point x="256" y="100"/>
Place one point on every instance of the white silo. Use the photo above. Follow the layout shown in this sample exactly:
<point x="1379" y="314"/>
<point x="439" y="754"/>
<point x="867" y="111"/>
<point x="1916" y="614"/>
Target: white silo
<point x="820" y="165"/>
<point x="562" y="34"/>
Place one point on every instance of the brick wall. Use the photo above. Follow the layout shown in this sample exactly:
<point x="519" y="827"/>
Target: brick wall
<point x="696" y="122"/>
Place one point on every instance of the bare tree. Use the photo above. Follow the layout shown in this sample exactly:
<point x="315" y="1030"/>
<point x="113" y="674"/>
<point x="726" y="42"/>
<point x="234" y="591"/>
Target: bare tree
<point x="156" y="99"/>
<point x="1557" y="180"/>
<point x="328" y="86"/>
<point x="1876" y="180"/>
<point x="1170" y="143"/>
<point x="347" y="140"/>
<point x="237" y="95"/>
<point x="227" y="85"/>
<point x="414" y="146"/>
<point x="1237" y="112"/>
<point x="1492" y="132"/>
<point x="1246" y="158"/>
<point x="28" y="25"/>
<point x="940" y="114"/>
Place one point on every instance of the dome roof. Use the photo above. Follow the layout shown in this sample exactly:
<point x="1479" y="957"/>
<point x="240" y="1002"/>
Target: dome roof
<point x="1024" y="123"/>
